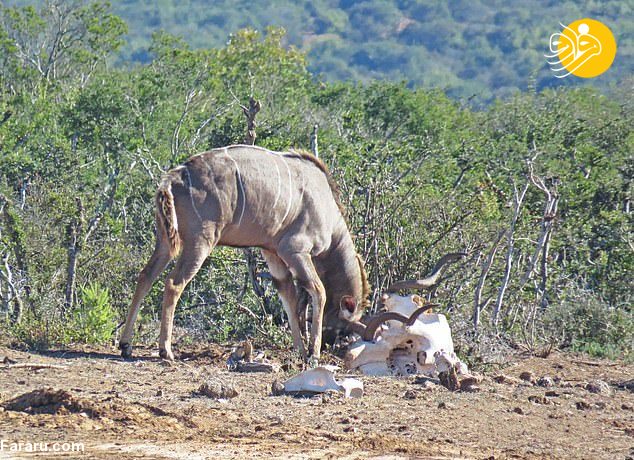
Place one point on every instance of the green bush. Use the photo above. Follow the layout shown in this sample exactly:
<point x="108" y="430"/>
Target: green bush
<point x="95" y="320"/>
<point x="583" y="322"/>
<point x="34" y="334"/>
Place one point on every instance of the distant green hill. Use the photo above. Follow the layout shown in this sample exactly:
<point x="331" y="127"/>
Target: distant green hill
<point x="467" y="47"/>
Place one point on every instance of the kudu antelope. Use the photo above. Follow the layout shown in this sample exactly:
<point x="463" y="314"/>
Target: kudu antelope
<point x="284" y="203"/>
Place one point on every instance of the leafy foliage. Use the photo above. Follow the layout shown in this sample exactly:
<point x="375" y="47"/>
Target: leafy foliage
<point x="95" y="320"/>
<point x="584" y="323"/>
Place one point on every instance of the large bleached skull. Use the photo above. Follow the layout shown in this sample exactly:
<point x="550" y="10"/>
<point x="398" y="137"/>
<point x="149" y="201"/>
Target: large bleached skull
<point x="401" y="348"/>
<point x="407" y="338"/>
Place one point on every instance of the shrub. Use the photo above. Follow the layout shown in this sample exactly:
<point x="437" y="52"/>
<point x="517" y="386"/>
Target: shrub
<point x="95" y="320"/>
<point x="583" y="322"/>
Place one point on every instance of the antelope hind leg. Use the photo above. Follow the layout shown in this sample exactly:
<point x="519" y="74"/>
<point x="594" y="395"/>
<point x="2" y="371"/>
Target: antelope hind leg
<point x="186" y="267"/>
<point x="157" y="263"/>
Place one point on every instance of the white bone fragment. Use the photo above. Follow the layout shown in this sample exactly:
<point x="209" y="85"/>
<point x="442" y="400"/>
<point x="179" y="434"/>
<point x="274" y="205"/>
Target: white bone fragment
<point x="321" y="379"/>
<point x="446" y="361"/>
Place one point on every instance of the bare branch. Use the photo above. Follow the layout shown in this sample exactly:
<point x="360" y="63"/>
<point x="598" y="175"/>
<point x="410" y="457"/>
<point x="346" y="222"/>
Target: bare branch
<point x="478" y="306"/>
<point x="518" y="198"/>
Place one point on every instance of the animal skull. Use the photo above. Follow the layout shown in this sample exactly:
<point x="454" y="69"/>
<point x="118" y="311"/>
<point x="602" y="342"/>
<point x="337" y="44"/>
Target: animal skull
<point x="405" y="347"/>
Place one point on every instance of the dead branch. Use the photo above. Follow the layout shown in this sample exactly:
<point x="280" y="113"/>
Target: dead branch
<point x="175" y="135"/>
<point x="594" y="363"/>
<point x="12" y="224"/>
<point x="78" y="237"/>
<point x="478" y="306"/>
<point x="313" y="141"/>
<point x="33" y="366"/>
<point x="14" y="294"/>
<point x="73" y="232"/>
<point x="518" y="198"/>
<point x="250" y="113"/>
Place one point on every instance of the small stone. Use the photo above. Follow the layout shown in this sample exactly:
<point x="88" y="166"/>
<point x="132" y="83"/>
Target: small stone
<point x="599" y="387"/>
<point x="350" y="429"/>
<point x="276" y="420"/>
<point x="546" y="382"/>
<point x="257" y="367"/>
<point x="330" y="396"/>
<point x="277" y="388"/>
<point x="552" y="394"/>
<point x="445" y="405"/>
<point x="506" y="379"/>
<point x="449" y="380"/>
<point x="216" y="389"/>
<point x="538" y="399"/>
<point x="582" y="405"/>
<point x="518" y="410"/>
<point x="629" y="385"/>
<point x="159" y="392"/>
<point x="410" y="394"/>
<point x="527" y="376"/>
<point x="470" y="384"/>
<point x="626" y="407"/>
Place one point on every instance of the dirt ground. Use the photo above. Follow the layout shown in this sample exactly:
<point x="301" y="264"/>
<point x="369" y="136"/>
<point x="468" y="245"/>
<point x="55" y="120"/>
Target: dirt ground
<point x="148" y="408"/>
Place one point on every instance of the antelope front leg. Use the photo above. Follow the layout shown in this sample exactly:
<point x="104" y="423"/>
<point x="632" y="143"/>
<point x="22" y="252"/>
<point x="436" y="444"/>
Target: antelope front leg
<point x="283" y="282"/>
<point x="301" y="264"/>
<point x="318" y="294"/>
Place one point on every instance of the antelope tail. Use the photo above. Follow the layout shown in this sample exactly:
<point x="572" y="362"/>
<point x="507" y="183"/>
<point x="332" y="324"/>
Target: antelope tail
<point x="166" y="222"/>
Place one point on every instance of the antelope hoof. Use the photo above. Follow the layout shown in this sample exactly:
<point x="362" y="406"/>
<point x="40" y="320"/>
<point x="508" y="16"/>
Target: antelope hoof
<point x="126" y="350"/>
<point x="166" y="354"/>
<point x="312" y="362"/>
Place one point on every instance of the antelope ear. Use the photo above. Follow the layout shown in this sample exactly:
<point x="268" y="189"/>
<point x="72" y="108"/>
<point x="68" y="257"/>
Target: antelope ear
<point x="348" y="304"/>
<point x="418" y="300"/>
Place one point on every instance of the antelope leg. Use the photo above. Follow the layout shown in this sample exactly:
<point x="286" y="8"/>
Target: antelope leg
<point x="283" y="282"/>
<point x="301" y="265"/>
<point x="157" y="263"/>
<point x="188" y="264"/>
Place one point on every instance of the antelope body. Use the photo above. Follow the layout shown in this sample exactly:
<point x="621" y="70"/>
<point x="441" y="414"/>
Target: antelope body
<point x="284" y="203"/>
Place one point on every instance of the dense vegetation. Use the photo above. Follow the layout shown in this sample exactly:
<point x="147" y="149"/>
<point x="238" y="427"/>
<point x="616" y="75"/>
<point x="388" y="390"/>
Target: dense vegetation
<point x="536" y="187"/>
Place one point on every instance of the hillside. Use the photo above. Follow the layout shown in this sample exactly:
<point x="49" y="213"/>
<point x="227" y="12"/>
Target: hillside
<point x="481" y="48"/>
<point x="475" y="48"/>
